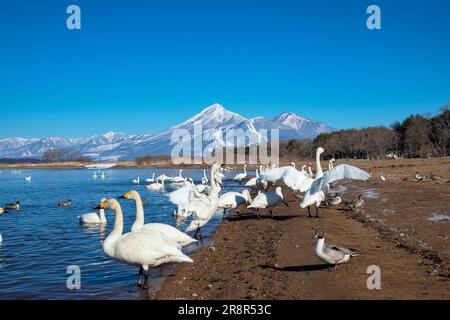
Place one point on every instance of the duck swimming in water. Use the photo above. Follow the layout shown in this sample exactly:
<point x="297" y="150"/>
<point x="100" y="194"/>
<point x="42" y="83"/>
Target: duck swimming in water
<point x="65" y="203"/>
<point x="13" y="206"/>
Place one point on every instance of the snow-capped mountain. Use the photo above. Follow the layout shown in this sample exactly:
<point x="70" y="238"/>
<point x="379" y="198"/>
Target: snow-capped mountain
<point x="215" y="121"/>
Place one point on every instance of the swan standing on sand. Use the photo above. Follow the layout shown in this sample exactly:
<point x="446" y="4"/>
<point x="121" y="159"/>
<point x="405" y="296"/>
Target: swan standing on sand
<point x="330" y="253"/>
<point x="93" y="217"/>
<point x="232" y="200"/>
<point x="241" y="176"/>
<point x="144" y="249"/>
<point x="320" y="187"/>
<point x="267" y="200"/>
<point x="168" y="231"/>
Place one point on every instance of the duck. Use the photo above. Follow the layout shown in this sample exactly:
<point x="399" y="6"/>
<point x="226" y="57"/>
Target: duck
<point x="65" y="203"/>
<point x="144" y="249"/>
<point x="333" y="201"/>
<point x="241" y="176"/>
<point x="418" y="176"/>
<point x="2" y="211"/>
<point x="267" y="200"/>
<point x="330" y="253"/>
<point x="168" y="231"/>
<point x="232" y="200"/>
<point x="321" y="184"/>
<point x="13" y="206"/>
<point x="357" y="204"/>
<point x="93" y="217"/>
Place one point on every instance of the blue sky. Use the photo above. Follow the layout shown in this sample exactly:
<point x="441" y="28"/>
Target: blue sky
<point x="142" y="66"/>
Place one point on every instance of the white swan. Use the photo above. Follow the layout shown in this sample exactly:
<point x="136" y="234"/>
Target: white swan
<point x="94" y="175"/>
<point x="253" y="182"/>
<point x="170" y="232"/>
<point x="232" y="200"/>
<point x="141" y="248"/>
<point x="267" y="200"/>
<point x="330" y="253"/>
<point x="152" y="179"/>
<point x="200" y="205"/>
<point x="1" y="239"/>
<point x="103" y="176"/>
<point x="93" y="217"/>
<point x="156" y="186"/>
<point x="28" y="178"/>
<point x="241" y="176"/>
<point x="320" y="187"/>
<point x="137" y="180"/>
<point x="179" y="178"/>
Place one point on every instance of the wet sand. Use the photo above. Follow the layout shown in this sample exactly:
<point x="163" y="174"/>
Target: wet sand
<point x="402" y="229"/>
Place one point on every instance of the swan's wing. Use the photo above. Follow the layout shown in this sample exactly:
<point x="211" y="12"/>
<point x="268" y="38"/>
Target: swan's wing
<point x="274" y="174"/>
<point x="183" y="195"/>
<point x="345" y="171"/>
<point x="296" y="180"/>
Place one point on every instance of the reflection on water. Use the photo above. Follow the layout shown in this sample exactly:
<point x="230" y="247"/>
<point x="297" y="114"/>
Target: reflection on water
<point x="41" y="240"/>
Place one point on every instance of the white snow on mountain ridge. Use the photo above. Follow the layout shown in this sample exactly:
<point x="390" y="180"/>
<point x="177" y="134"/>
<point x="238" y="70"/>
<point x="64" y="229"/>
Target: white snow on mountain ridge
<point x="215" y="121"/>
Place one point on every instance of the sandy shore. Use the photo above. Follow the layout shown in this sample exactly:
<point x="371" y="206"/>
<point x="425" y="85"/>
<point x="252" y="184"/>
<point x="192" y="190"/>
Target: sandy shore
<point x="267" y="258"/>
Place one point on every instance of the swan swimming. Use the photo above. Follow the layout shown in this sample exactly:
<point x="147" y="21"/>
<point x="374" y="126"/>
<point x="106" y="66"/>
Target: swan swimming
<point x="241" y="176"/>
<point x="152" y="179"/>
<point x="320" y="187"/>
<point x="137" y="180"/>
<point x="144" y="249"/>
<point x="330" y="253"/>
<point x="93" y="217"/>
<point x="170" y="232"/>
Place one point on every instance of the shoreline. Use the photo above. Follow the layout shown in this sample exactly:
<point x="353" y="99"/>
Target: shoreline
<point x="252" y="259"/>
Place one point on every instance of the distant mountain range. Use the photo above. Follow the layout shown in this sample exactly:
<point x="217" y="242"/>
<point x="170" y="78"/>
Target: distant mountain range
<point x="115" y="146"/>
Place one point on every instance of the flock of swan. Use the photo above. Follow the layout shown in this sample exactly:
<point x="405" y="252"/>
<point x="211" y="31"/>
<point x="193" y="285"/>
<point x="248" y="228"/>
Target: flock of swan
<point x="150" y="245"/>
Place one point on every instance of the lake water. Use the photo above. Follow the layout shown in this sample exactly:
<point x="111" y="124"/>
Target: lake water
<point x="41" y="240"/>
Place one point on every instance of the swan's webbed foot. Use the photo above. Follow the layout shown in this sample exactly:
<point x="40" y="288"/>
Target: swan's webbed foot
<point x="145" y="285"/>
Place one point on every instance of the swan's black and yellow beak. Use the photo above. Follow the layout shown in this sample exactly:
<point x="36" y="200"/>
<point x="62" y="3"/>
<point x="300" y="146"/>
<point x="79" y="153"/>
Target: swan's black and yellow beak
<point x="100" y="206"/>
<point x="124" y="196"/>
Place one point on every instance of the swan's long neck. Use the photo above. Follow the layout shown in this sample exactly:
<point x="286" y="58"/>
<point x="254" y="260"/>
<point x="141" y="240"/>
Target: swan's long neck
<point x="319" y="171"/>
<point x="245" y="170"/>
<point x="117" y="231"/>
<point x="139" y="222"/>
<point x="214" y="189"/>
<point x="102" y="215"/>
<point x="257" y="174"/>
<point x="153" y="177"/>
<point x="181" y="171"/>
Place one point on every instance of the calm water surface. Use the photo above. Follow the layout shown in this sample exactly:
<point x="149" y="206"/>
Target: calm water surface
<point x="41" y="240"/>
